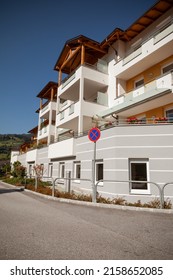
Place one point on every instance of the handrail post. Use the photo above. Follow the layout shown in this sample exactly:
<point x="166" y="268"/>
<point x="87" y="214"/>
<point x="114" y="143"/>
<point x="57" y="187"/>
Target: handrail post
<point x="68" y="181"/>
<point x="53" y="188"/>
<point x="162" y="191"/>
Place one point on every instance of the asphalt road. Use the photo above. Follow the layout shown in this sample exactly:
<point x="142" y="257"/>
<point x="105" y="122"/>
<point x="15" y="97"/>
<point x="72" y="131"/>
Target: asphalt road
<point x="36" y="228"/>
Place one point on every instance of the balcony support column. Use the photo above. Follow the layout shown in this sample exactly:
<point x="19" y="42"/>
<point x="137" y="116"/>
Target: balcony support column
<point x="41" y="103"/>
<point x="83" y="55"/>
<point x="39" y="128"/>
<point x="52" y="94"/>
<point x="59" y="77"/>
<point x="81" y="95"/>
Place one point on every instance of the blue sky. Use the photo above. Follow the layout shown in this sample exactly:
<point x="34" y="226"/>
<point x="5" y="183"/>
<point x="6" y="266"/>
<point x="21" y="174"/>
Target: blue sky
<point x="33" y="33"/>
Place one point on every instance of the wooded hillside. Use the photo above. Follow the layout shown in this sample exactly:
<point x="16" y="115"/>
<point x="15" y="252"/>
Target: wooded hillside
<point x="9" y="142"/>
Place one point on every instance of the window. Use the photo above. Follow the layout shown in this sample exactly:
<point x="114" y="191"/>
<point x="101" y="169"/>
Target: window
<point x="139" y="83"/>
<point x="62" y="170"/>
<point x="77" y="171"/>
<point x="139" y="172"/>
<point x="169" y="115"/>
<point x="42" y="169"/>
<point x="31" y="169"/>
<point x="99" y="171"/>
<point x="167" y="68"/>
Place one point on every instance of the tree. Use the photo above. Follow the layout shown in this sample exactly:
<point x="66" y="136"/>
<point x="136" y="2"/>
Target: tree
<point x="38" y="168"/>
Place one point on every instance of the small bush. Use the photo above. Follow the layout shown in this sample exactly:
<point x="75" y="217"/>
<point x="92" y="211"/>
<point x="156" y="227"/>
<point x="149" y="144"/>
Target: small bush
<point x="18" y="170"/>
<point x="167" y="204"/>
<point x="15" y="181"/>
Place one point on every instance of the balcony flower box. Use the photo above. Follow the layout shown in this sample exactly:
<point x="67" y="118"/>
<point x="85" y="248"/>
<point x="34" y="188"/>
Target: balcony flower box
<point x="161" y="120"/>
<point x="133" y="120"/>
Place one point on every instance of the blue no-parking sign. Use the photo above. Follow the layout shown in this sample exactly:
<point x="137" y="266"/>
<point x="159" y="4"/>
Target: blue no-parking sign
<point x="94" y="134"/>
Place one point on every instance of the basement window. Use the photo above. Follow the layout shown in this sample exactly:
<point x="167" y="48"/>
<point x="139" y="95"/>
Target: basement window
<point x="62" y="170"/>
<point x="50" y="169"/>
<point x="139" y="171"/>
<point x="77" y="171"/>
<point x="99" y="172"/>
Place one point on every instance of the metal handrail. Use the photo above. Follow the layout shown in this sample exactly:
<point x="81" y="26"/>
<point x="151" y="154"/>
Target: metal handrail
<point x="71" y="179"/>
<point x="132" y="181"/>
<point x="94" y="187"/>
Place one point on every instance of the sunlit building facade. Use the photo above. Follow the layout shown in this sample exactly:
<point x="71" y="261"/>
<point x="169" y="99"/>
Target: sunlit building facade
<point x="123" y="86"/>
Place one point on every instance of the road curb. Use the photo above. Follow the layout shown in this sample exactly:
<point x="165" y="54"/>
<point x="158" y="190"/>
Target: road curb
<point x="90" y="204"/>
<point x="12" y="186"/>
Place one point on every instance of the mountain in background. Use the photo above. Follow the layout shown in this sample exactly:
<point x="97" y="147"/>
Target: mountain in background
<point x="9" y="142"/>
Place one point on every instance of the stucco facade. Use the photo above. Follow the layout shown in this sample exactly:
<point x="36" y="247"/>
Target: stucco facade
<point x="123" y="86"/>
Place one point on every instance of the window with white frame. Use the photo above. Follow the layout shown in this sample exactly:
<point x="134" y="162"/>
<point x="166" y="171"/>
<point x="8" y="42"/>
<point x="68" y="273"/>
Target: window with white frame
<point x="31" y="169"/>
<point x="139" y="171"/>
<point x="42" y="169"/>
<point x="77" y="170"/>
<point x="50" y="169"/>
<point x="99" y="171"/>
<point x="62" y="170"/>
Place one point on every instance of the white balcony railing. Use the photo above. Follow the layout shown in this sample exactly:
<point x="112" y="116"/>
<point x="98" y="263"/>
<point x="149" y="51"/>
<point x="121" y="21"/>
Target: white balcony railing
<point x="163" y="82"/>
<point x="50" y="106"/>
<point x="91" y="72"/>
<point x="46" y="131"/>
<point x="73" y="111"/>
<point x="152" y="40"/>
<point x="165" y="32"/>
<point x="159" y="87"/>
<point x="132" y="55"/>
<point x="69" y="113"/>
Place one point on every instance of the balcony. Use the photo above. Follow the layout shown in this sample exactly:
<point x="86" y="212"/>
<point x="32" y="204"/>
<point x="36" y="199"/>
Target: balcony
<point x="47" y="107"/>
<point x="152" y="95"/>
<point x="94" y="80"/>
<point x="156" y="47"/>
<point x="61" y="149"/>
<point x="46" y="131"/>
<point x="68" y="117"/>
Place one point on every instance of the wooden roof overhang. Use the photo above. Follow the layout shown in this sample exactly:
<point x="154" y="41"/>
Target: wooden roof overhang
<point x="46" y="92"/>
<point x="33" y="130"/>
<point x="139" y="25"/>
<point x="49" y="93"/>
<point x="78" y="51"/>
<point x="81" y="49"/>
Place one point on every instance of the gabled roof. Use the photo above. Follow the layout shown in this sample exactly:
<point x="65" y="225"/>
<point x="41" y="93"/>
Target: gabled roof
<point x="71" y="53"/>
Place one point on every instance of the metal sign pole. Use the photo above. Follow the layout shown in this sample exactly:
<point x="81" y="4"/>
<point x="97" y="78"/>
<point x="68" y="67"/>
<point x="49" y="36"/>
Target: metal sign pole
<point x="94" y="196"/>
<point x="94" y="135"/>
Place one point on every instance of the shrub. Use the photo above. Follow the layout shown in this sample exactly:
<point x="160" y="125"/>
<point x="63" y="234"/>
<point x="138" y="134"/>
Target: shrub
<point x="19" y="170"/>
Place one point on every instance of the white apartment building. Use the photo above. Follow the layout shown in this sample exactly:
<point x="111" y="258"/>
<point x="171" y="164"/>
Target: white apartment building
<point x="124" y="86"/>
